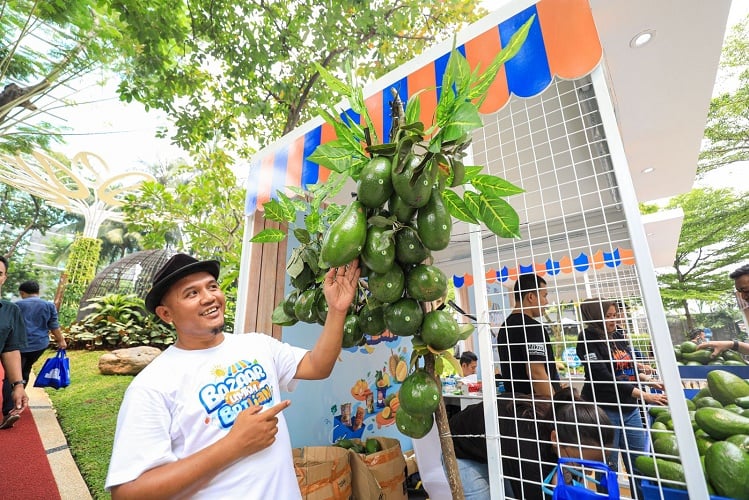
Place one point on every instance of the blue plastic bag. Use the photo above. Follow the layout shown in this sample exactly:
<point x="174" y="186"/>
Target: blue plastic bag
<point x="579" y="491"/>
<point x="55" y="372"/>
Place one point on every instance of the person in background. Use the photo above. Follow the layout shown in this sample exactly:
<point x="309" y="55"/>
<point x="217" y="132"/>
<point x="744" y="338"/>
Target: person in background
<point x="740" y="279"/>
<point x="612" y="382"/>
<point x="525" y="351"/>
<point x="12" y="340"/>
<point x="697" y="336"/>
<point x="468" y="363"/>
<point x="40" y="318"/>
<point x="203" y="419"/>
<point x="534" y="434"/>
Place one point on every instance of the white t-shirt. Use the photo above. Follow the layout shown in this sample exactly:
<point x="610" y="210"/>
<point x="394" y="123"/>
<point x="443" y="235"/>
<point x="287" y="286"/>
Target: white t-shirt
<point x="184" y="401"/>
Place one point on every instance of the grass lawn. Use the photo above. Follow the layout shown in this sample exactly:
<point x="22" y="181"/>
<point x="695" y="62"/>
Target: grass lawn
<point x="87" y="411"/>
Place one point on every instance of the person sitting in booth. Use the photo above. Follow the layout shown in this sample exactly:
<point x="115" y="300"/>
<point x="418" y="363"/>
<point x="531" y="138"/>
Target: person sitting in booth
<point x="468" y="363"/>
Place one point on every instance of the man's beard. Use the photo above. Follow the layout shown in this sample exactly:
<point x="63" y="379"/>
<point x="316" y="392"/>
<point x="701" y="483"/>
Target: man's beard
<point x="218" y="330"/>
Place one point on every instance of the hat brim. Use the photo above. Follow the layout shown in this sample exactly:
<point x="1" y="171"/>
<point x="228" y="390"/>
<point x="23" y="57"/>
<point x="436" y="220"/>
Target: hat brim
<point x="157" y="291"/>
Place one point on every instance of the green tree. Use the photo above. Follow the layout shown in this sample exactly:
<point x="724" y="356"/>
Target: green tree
<point x="727" y="130"/>
<point x="236" y="70"/>
<point x="44" y="45"/>
<point x="204" y="208"/>
<point x="714" y="237"/>
<point x="20" y="215"/>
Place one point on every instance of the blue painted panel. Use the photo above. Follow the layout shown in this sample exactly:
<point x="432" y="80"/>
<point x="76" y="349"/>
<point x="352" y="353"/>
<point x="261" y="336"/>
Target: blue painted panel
<point x="528" y="72"/>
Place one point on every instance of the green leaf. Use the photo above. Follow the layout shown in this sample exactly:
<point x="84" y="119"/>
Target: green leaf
<point x="472" y="171"/>
<point x="465" y="330"/>
<point x="279" y="316"/>
<point x="495" y="213"/>
<point x="332" y="82"/>
<point x="465" y="118"/>
<point x="295" y="265"/>
<point x="413" y="107"/>
<point x="274" y="211"/>
<point x="457" y="207"/>
<point x="450" y="358"/>
<point x="268" y="236"/>
<point x="494" y="186"/>
<point x="302" y="235"/>
<point x="312" y="222"/>
<point x="345" y="135"/>
<point x="332" y="155"/>
<point x="380" y="221"/>
<point x="288" y="206"/>
<point x="481" y="87"/>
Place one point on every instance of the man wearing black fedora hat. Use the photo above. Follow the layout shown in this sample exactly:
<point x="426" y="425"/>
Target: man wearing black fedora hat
<point x="203" y="419"/>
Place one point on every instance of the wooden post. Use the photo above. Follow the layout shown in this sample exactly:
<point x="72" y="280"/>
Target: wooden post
<point x="267" y="280"/>
<point x="446" y="441"/>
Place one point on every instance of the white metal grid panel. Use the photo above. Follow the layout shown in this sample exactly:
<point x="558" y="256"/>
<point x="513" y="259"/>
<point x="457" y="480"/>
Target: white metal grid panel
<point x="555" y="148"/>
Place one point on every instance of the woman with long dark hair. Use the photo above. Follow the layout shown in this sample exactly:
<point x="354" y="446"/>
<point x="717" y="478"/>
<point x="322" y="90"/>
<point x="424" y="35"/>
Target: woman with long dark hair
<point x="612" y="382"/>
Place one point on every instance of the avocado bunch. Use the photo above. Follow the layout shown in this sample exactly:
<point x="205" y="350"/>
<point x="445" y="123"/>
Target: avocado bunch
<point x="720" y="421"/>
<point x="687" y="354"/>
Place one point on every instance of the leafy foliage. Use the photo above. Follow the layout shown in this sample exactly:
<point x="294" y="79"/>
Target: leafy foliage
<point x="198" y="211"/>
<point x="713" y="239"/>
<point x="119" y="320"/>
<point x="44" y="45"/>
<point x="727" y="130"/>
<point x="20" y="215"/>
<point x="224" y="70"/>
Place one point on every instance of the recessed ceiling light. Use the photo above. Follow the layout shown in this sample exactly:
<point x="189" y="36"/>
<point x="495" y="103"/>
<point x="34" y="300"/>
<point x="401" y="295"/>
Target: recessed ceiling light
<point x="642" y="38"/>
<point x="648" y="170"/>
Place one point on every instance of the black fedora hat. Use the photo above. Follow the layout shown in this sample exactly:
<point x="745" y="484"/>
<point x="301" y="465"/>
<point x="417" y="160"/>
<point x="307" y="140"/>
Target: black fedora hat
<point x="179" y="266"/>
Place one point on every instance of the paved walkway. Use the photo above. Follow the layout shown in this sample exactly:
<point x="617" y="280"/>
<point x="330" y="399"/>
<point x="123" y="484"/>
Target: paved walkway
<point x="68" y="477"/>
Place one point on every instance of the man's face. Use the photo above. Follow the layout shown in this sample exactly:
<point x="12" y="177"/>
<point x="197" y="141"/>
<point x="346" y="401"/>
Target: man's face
<point x="469" y="369"/>
<point x="195" y="304"/>
<point x="3" y="274"/>
<point x="536" y="302"/>
<point x="742" y="286"/>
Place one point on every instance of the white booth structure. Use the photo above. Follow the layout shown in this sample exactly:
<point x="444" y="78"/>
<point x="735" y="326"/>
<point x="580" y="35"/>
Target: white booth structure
<point x="603" y="108"/>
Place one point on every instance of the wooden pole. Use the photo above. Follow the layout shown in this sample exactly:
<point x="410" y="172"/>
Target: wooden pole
<point x="446" y="441"/>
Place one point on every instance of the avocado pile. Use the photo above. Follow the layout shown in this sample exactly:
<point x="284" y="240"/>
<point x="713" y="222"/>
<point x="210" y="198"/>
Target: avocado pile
<point x="687" y="354"/>
<point x="371" y="445"/>
<point x="720" y="421"/>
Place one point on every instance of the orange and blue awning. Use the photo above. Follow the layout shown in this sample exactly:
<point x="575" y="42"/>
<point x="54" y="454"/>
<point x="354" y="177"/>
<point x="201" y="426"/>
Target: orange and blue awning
<point x="563" y="42"/>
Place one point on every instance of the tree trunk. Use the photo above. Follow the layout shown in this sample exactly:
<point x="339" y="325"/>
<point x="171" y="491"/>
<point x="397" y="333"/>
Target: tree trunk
<point x="446" y="442"/>
<point x="688" y="316"/>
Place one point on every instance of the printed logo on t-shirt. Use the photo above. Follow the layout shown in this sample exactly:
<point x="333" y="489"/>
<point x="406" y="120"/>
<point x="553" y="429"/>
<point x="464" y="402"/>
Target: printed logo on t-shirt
<point x="591" y="357"/>
<point x="624" y="368"/>
<point x="239" y="386"/>
<point x="537" y="350"/>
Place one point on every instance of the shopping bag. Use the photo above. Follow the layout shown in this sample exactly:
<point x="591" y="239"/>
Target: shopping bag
<point x="55" y="372"/>
<point x="578" y="489"/>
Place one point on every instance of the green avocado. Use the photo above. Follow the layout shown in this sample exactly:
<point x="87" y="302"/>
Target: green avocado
<point x="434" y="223"/>
<point x="345" y="238"/>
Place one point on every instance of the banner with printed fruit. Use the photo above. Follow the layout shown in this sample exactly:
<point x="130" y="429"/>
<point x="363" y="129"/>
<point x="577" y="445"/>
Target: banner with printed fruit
<point x="409" y="188"/>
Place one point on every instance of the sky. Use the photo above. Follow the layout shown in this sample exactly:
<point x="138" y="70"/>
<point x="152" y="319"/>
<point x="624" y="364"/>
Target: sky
<point x="124" y="134"/>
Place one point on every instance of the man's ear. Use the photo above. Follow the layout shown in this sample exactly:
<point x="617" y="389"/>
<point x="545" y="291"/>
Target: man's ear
<point x="531" y="298"/>
<point x="553" y="437"/>
<point x="163" y="313"/>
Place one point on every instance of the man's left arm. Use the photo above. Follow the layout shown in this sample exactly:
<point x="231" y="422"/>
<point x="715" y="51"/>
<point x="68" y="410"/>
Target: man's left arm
<point x="12" y="365"/>
<point x="537" y="362"/>
<point x="339" y="288"/>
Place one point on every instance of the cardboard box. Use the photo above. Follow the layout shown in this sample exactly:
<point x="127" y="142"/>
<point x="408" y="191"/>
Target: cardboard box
<point x="381" y="475"/>
<point x="324" y="472"/>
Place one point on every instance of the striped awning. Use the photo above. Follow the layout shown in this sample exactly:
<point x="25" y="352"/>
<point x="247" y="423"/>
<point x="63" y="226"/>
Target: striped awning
<point x="562" y="42"/>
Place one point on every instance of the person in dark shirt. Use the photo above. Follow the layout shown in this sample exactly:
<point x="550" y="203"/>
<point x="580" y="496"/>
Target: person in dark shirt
<point x="612" y="381"/>
<point x="40" y="318"/>
<point x="533" y="435"/>
<point x="526" y="355"/>
<point x="12" y="340"/>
